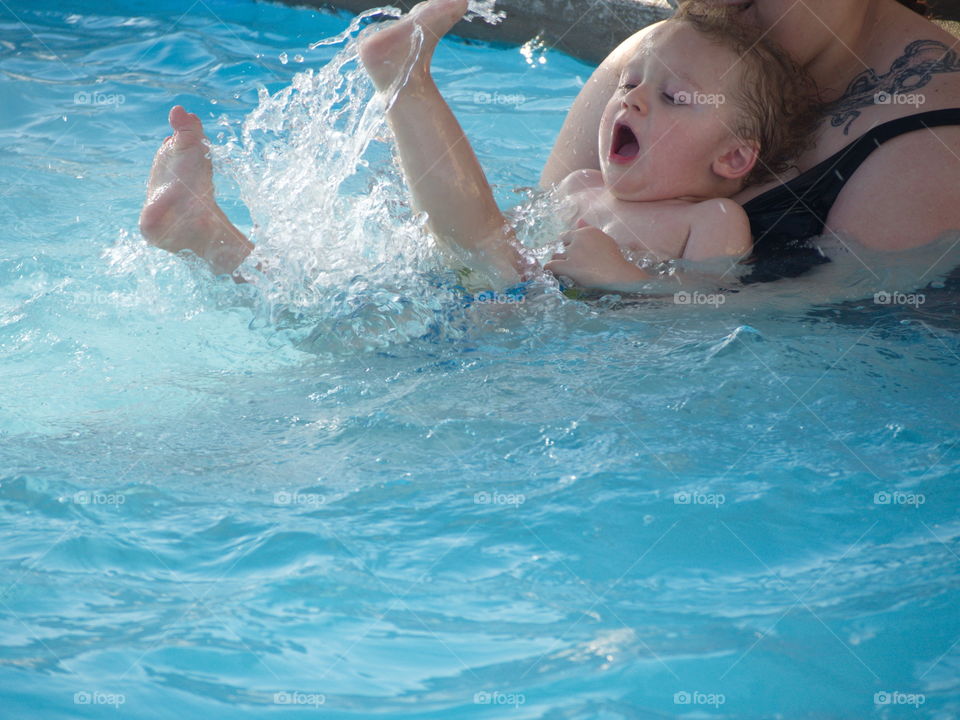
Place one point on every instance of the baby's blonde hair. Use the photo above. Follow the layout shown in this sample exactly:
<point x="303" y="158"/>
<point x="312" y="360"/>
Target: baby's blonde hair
<point x="777" y="103"/>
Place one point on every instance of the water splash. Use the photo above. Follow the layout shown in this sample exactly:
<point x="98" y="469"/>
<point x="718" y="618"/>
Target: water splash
<point x="484" y="9"/>
<point x="340" y="259"/>
<point x="338" y="250"/>
<point x="388" y="11"/>
<point x="476" y="9"/>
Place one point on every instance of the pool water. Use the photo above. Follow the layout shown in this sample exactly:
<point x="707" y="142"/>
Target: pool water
<point x="337" y="490"/>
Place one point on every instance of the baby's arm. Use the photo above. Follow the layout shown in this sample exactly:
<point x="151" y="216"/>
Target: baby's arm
<point x="442" y="171"/>
<point x="593" y="259"/>
<point x="718" y="228"/>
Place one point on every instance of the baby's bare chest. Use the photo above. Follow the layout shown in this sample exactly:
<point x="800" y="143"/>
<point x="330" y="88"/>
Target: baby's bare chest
<point x="655" y="227"/>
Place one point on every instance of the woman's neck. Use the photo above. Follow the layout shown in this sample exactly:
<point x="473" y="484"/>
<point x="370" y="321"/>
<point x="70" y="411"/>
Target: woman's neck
<point x="849" y="48"/>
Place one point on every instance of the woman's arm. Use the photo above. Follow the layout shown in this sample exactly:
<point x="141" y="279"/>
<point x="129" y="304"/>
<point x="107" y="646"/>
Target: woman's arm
<point x="905" y="194"/>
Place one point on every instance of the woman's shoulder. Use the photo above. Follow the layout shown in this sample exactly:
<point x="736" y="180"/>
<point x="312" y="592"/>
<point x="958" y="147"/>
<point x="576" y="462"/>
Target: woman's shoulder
<point x="905" y="108"/>
<point x="887" y="154"/>
<point x="912" y="68"/>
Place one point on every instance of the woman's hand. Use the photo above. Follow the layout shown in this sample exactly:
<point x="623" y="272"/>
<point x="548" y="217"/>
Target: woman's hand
<point x="592" y="259"/>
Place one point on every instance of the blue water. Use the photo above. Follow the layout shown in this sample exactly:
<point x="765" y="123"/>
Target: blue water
<point x="368" y="501"/>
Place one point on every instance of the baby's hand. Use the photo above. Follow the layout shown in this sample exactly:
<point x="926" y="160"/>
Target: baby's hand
<point x="592" y="259"/>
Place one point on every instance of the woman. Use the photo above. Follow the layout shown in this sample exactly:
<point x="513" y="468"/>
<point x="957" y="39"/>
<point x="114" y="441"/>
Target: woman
<point x="885" y="168"/>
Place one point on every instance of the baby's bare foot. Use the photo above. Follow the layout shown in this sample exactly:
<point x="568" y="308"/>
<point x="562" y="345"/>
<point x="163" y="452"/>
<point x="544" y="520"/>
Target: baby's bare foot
<point x="180" y="203"/>
<point x="180" y="212"/>
<point x="394" y="52"/>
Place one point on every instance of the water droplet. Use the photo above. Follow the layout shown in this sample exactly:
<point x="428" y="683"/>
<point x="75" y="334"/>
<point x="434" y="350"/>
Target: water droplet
<point x="283" y="58"/>
<point x="298" y="58"/>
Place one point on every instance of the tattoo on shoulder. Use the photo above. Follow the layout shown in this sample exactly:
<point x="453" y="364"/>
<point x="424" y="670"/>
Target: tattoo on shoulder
<point x="913" y="70"/>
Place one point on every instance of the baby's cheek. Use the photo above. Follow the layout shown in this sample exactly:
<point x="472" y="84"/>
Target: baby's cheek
<point x="606" y="122"/>
<point x="687" y="156"/>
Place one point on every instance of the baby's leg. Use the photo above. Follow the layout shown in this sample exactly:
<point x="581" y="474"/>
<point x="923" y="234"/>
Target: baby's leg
<point x="180" y="212"/>
<point x="443" y="173"/>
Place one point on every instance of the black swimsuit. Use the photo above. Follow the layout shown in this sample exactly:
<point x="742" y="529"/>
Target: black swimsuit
<point x="784" y="219"/>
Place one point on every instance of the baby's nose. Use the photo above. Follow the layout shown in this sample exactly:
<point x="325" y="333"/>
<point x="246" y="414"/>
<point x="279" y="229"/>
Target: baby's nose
<point x="636" y="99"/>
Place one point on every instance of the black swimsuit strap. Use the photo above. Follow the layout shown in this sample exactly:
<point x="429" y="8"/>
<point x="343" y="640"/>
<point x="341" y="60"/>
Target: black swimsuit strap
<point x="784" y="218"/>
<point x="798" y="208"/>
<point x="853" y="155"/>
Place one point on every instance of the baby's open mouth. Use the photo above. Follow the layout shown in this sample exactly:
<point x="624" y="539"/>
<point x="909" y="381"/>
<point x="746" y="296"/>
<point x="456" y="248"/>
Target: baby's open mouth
<point x="625" y="145"/>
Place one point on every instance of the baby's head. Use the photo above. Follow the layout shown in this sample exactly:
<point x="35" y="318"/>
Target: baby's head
<point x="704" y="108"/>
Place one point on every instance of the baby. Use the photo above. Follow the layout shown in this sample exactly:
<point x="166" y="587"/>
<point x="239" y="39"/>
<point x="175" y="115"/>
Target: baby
<point x="704" y="108"/>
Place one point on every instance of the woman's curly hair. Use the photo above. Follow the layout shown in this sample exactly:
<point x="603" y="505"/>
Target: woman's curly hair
<point x="777" y="103"/>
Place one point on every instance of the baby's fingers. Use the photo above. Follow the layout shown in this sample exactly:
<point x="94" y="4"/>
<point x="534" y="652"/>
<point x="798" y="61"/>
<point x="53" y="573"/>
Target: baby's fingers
<point x="583" y="233"/>
<point x="557" y="265"/>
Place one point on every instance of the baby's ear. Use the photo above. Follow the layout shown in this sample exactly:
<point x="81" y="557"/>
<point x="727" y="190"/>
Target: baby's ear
<point x="738" y="160"/>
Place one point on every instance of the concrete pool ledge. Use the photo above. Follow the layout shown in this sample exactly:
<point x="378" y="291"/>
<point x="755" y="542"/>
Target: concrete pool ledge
<point x="585" y="29"/>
